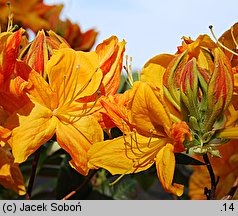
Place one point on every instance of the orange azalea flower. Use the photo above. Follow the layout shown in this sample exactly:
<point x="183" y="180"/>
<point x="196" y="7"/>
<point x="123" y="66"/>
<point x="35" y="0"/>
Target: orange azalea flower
<point x="176" y="88"/>
<point x="146" y="114"/>
<point x="55" y="108"/>
<point x="226" y="168"/>
<point x="29" y="13"/>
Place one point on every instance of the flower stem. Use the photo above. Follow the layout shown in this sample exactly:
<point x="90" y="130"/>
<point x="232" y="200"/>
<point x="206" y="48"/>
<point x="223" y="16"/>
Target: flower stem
<point x="210" y="193"/>
<point x="33" y="173"/>
<point x="86" y="180"/>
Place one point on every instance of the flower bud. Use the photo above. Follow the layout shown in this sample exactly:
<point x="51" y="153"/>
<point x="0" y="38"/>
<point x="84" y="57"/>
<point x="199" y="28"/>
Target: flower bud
<point x="37" y="53"/>
<point x="171" y="79"/>
<point x="220" y="89"/>
<point x="189" y="88"/>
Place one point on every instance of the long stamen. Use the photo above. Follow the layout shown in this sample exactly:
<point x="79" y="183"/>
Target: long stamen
<point x="135" y="148"/>
<point x="9" y="23"/>
<point x="223" y="46"/>
<point x="74" y="79"/>
<point x="138" y="75"/>
<point x="129" y="72"/>
<point x="74" y="93"/>
<point x="151" y="134"/>
<point x="125" y="78"/>
<point x="64" y="87"/>
<point x="86" y="112"/>
<point x="233" y="37"/>
<point x="82" y="89"/>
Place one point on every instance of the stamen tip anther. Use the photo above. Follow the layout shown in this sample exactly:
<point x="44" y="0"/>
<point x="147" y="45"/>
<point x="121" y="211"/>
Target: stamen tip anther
<point x="210" y="26"/>
<point x="77" y="66"/>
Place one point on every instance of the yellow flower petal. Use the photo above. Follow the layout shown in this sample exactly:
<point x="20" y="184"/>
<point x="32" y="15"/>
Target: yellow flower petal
<point x="73" y="75"/>
<point x="76" y="138"/>
<point x="165" y="165"/>
<point x="154" y="69"/>
<point x="148" y="111"/>
<point x="123" y="155"/>
<point x="33" y="125"/>
<point x="228" y="133"/>
<point x="41" y="92"/>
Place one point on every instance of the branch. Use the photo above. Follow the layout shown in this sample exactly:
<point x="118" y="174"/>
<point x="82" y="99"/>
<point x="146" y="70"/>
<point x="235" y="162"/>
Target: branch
<point x="210" y="193"/>
<point x="86" y="180"/>
<point x="33" y="173"/>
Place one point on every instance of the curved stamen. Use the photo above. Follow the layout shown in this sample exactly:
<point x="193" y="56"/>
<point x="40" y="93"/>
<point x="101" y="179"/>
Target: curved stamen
<point x="10" y="17"/>
<point x="233" y="38"/>
<point x="219" y="43"/>
<point x="129" y="73"/>
<point x="84" y="112"/>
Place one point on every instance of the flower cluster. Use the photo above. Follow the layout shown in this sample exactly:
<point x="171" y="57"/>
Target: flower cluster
<point x="53" y="87"/>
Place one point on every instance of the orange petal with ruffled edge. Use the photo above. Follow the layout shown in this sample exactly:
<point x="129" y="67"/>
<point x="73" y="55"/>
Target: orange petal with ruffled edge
<point x="110" y="53"/>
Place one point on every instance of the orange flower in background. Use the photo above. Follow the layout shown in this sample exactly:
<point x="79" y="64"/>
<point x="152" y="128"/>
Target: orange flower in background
<point x="54" y="108"/>
<point x="110" y="53"/>
<point x="26" y="13"/>
<point x="72" y="33"/>
<point x="36" y="16"/>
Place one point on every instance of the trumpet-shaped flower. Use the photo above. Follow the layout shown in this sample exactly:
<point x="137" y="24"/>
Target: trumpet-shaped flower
<point x="55" y="108"/>
<point x="149" y="137"/>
